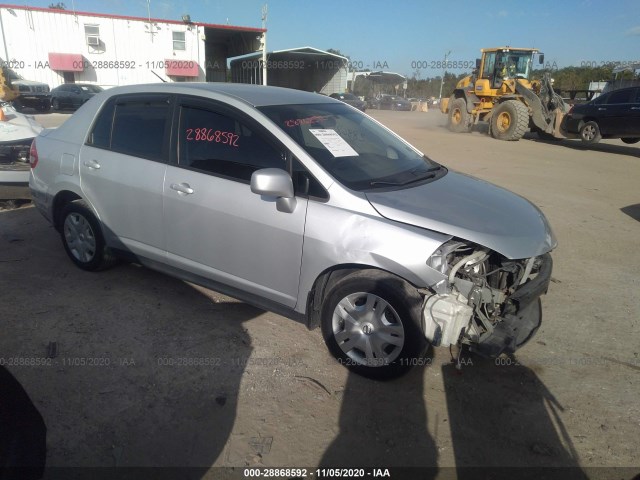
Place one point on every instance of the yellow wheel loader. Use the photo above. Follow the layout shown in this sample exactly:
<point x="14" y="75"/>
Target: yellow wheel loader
<point x="500" y="91"/>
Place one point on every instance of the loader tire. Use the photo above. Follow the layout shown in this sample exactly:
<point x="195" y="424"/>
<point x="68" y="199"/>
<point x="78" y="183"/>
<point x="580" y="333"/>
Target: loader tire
<point x="510" y="121"/>
<point x="459" y="118"/>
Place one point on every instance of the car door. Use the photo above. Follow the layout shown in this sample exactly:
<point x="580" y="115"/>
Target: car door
<point x="633" y="121"/>
<point x="215" y="226"/>
<point x="61" y="94"/>
<point x="68" y="96"/>
<point x="75" y="95"/>
<point x="122" y="168"/>
<point x="614" y="114"/>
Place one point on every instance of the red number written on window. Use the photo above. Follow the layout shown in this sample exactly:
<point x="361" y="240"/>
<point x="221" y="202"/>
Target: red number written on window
<point x="305" y="121"/>
<point x="211" y="135"/>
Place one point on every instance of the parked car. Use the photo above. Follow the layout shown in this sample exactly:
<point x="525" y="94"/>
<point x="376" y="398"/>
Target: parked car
<point x="223" y="184"/>
<point x="391" y="102"/>
<point x="72" y="95"/>
<point x="350" y="99"/>
<point x="615" y="114"/>
<point x="32" y="94"/>
<point x="16" y="135"/>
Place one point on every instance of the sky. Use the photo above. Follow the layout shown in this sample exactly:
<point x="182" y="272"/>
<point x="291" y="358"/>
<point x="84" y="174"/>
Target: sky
<point x="409" y="36"/>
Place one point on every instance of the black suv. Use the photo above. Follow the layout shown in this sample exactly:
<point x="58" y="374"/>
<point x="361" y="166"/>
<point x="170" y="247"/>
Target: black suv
<point x="614" y="114"/>
<point x="32" y="94"/>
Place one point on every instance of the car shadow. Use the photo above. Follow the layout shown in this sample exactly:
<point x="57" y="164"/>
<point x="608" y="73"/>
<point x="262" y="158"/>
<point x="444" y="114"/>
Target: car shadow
<point x="573" y="144"/>
<point x="505" y="421"/>
<point x="372" y="435"/>
<point x="135" y="368"/>
<point x="632" y="210"/>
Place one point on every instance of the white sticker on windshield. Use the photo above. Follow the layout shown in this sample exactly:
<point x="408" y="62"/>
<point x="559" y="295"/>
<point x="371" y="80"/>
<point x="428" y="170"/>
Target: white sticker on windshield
<point x="333" y="142"/>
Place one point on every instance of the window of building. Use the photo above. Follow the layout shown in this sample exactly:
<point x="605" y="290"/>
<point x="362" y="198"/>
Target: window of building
<point x="219" y="144"/>
<point x="92" y="33"/>
<point x="179" y="42"/>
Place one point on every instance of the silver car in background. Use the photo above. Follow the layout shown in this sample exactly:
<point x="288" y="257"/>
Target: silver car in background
<point x="299" y="204"/>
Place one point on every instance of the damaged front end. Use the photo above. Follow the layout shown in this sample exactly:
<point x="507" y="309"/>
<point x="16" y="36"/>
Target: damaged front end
<point x="484" y="299"/>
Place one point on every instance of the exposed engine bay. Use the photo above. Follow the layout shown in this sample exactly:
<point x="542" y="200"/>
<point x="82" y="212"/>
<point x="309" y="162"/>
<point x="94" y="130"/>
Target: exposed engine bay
<point x="486" y="300"/>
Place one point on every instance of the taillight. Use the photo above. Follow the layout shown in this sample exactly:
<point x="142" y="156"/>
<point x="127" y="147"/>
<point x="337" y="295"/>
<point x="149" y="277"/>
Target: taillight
<point x="33" y="155"/>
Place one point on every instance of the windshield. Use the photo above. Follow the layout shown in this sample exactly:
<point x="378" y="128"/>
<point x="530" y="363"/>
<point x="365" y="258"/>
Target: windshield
<point x="352" y="147"/>
<point x="91" y="88"/>
<point x="514" y="64"/>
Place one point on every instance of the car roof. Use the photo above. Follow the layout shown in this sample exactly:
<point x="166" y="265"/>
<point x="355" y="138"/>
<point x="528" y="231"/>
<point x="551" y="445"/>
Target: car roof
<point x="255" y="95"/>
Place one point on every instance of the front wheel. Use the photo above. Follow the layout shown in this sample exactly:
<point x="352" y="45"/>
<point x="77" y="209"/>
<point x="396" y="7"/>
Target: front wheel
<point x="630" y="140"/>
<point x="510" y="120"/>
<point x="82" y="238"/>
<point x="590" y="133"/>
<point x="370" y="323"/>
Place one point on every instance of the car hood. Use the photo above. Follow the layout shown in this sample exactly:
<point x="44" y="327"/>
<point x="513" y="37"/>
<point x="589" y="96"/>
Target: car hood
<point x="473" y="210"/>
<point x="17" y="126"/>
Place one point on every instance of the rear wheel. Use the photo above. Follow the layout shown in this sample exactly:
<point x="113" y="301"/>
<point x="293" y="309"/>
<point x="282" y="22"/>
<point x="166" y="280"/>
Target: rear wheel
<point x="82" y="238"/>
<point x="510" y="121"/>
<point x="590" y="133"/>
<point x="370" y="323"/>
<point x="55" y="104"/>
<point x="631" y="140"/>
<point x="459" y="118"/>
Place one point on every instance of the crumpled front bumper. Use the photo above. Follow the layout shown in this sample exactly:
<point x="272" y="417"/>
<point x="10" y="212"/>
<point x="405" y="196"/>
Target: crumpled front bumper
<point x="522" y="320"/>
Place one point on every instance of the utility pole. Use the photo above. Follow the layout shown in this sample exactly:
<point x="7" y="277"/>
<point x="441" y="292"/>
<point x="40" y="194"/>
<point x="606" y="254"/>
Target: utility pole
<point x="264" y="44"/>
<point x="444" y="72"/>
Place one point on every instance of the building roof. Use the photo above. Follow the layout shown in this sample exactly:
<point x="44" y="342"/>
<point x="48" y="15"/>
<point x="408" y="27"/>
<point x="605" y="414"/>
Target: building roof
<point x="125" y="17"/>
<point x="293" y="52"/>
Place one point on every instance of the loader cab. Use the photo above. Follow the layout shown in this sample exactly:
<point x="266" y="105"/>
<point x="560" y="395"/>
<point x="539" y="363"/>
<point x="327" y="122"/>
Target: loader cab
<point x="500" y="64"/>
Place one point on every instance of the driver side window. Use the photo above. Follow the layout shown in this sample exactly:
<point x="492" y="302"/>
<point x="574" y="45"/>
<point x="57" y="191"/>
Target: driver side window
<point x="217" y="143"/>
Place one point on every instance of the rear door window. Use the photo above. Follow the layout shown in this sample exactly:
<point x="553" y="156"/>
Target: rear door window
<point x="621" y="96"/>
<point x="134" y="125"/>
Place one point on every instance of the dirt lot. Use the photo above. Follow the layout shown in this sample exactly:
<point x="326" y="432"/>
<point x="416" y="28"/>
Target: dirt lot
<point x="150" y="371"/>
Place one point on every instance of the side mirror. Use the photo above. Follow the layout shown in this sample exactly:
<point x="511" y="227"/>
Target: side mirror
<point x="478" y="63"/>
<point x="541" y="58"/>
<point x="275" y="182"/>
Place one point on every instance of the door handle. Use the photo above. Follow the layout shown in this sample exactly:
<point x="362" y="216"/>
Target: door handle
<point x="601" y="108"/>
<point x="183" y="188"/>
<point x="92" y="164"/>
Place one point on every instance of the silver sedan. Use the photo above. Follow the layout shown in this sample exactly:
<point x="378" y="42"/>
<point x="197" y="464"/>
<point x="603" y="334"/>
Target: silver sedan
<point x="300" y="204"/>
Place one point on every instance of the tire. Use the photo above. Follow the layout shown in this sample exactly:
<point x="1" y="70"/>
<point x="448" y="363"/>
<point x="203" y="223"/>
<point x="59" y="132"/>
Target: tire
<point x="394" y="339"/>
<point x="459" y="118"/>
<point x="630" y="140"/>
<point x="55" y="104"/>
<point x="510" y="121"/>
<point x="82" y="238"/>
<point x="590" y="133"/>
<point x="44" y="107"/>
